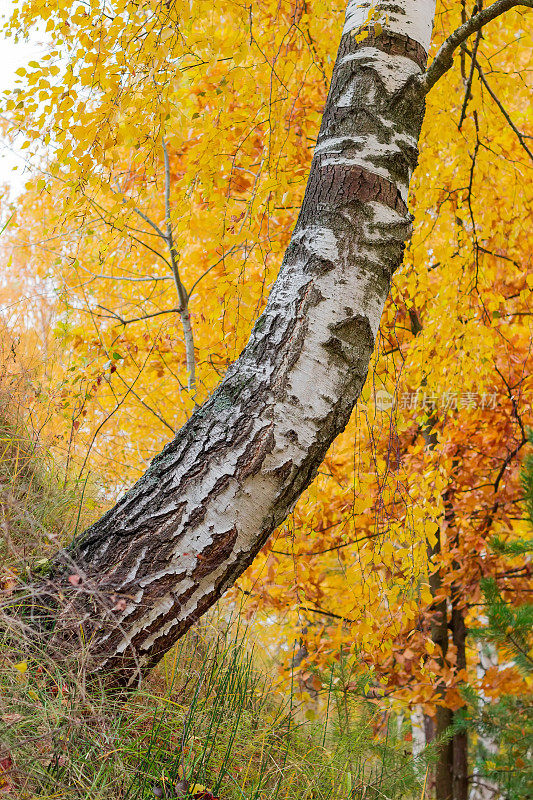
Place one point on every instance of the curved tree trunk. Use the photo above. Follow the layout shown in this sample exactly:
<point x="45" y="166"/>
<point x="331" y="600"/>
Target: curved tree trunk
<point x="208" y="503"/>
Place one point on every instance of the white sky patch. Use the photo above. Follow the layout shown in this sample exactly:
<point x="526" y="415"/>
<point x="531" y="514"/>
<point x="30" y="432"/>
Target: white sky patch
<point x="14" y="167"/>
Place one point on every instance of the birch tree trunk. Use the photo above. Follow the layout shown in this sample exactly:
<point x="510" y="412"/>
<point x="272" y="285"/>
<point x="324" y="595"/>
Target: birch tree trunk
<point x="191" y="525"/>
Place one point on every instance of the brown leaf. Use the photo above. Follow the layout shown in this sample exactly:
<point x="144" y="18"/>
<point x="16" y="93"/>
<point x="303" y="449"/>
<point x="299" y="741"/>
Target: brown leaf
<point x="6" y="762"/>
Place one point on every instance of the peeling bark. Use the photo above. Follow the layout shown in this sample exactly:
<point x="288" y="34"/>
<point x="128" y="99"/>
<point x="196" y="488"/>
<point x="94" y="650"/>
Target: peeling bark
<point x="208" y="503"/>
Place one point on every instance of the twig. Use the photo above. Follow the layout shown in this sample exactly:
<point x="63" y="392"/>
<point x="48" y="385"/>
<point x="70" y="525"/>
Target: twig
<point x="125" y="278"/>
<point x="122" y="321"/>
<point x="519" y="134"/>
<point x="101" y="212"/>
<point x="329" y="549"/>
<point x="118" y="405"/>
<point x="208" y="270"/>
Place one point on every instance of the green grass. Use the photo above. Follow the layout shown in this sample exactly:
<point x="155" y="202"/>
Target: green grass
<point x="207" y="716"/>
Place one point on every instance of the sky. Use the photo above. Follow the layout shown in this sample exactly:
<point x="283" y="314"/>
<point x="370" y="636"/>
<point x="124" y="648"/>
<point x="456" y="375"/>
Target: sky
<point x="12" y="56"/>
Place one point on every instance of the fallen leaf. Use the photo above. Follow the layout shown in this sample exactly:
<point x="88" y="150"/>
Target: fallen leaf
<point x="6" y="763"/>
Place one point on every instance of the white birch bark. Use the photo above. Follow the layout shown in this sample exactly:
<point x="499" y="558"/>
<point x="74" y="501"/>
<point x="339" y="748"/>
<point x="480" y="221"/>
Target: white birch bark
<point x="208" y="503"/>
<point x="418" y="733"/>
<point x="482" y="788"/>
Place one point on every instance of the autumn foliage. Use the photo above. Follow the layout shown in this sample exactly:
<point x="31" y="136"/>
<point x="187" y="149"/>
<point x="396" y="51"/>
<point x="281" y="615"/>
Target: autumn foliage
<point x="394" y="532"/>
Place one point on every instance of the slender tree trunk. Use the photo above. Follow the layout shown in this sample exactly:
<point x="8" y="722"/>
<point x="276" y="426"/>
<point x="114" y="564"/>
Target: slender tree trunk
<point x="208" y="503"/>
<point x="459" y="632"/>
<point x="460" y="738"/>
<point x="444" y="716"/>
<point x="482" y="787"/>
<point x="451" y="772"/>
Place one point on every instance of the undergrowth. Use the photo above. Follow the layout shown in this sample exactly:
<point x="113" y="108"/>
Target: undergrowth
<point x="41" y="505"/>
<point x="207" y="723"/>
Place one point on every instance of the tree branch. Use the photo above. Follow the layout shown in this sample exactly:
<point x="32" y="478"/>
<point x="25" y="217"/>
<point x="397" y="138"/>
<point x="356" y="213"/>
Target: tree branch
<point x="150" y="278"/>
<point x="183" y="296"/>
<point x="149" y="221"/>
<point x="443" y="60"/>
<point x="468" y="90"/>
<point x="101" y="213"/>
<point x="208" y="270"/>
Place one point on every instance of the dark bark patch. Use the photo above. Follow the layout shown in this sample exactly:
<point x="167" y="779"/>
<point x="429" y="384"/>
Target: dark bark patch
<point x="250" y="462"/>
<point x="198" y="469"/>
<point x="215" y="554"/>
<point x="334" y="185"/>
<point x="196" y="516"/>
<point x="394" y="44"/>
<point x="283" y="472"/>
<point x="319" y="266"/>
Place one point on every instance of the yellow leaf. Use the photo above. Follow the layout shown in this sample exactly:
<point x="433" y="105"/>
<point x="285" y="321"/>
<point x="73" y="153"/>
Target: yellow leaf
<point x="425" y="594"/>
<point x="21" y="666"/>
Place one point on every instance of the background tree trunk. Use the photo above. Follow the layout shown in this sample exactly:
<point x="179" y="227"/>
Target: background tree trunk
<point x="444" y="716"/>
<point x="460" y="738"/>
<point x="191" y="525"/>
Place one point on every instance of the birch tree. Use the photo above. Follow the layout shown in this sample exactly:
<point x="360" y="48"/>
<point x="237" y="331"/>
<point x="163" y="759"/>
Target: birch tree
<point x="152" y="565"/>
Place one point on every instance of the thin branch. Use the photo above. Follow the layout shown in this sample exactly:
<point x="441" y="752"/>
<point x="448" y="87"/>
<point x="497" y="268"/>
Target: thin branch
<point x="468" y="90"/>
<point x="152" y="224"/>
<point x="519" y="134"/>
<point x="121" y="401"/>
<point x="208" y="270"/>
<point x="145" y="404"/>
<point x="125" y="278"/>
<point x="140" y="213"/>
<point x="122" y="321"/>
<point x="101" y="212"/>
<point x="328" y="549"/>
<point x="183" y="295"/>
<point x="443" y="60"/>
<point x="174" y="258"/>
<point x="327" y="614"/>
